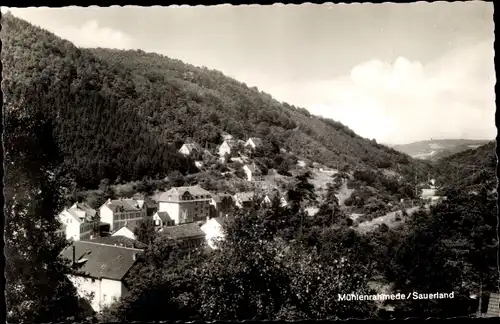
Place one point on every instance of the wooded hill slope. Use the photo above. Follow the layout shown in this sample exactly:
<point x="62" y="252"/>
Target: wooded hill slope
<point x="123" y="114"/>
<point x="470" y="170"/>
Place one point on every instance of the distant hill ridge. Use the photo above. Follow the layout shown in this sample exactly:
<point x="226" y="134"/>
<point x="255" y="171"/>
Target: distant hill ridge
<point x="122" y="115"/>
<point x="438" y="149"/>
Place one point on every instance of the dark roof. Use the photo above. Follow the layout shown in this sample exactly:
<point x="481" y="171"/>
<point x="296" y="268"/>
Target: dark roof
<point x="257" y="141"/>
<point x="194" y="192"/>
<point x="164" y="216"/>
<point x="183" y="231"/>
<point x="220" y="220"/>
<point x="117" y="240"/>
<point x="102" y="260"/>
<point x="126" y="204"/>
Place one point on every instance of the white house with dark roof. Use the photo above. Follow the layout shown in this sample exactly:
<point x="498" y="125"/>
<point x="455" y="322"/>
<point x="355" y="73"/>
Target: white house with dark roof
<point x="268" y="199"/>
<point x="161" y="218"/>
<point x="187" y="235"/>
<point x="100" y="270"/>
<point x="252" y="172"/>
<point x="189" y="149"/>
<point x="253" y="142"/>
<point x="185" y="204"/>
<point x="117" y="212"/>
<point x="228" y="147"/>
<point x="79" y="222"/>
<point x="214" y="231"/>
<point x="128" y="229"/>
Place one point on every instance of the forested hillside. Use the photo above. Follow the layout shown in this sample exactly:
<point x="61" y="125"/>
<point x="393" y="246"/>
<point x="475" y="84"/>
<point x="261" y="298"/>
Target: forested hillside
<point x="123" y="114"/>
<point x="469" y="170"/>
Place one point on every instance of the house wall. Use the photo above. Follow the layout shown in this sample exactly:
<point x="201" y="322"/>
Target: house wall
<point x="157" y="220"/>
<point x="100" y="292"/>
<point x="224" y="149"/>
<point x="187" y="211"/>
<point x="184" y="150"/>
<point x="248" y="173"/>
<point x="72" y="226"/>
<point x="106" y="216"/>
<point x="118" y="219"/>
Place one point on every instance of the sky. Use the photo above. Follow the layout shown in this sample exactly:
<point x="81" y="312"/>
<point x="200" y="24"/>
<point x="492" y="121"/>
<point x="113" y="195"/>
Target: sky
<point x="397" y="73"/>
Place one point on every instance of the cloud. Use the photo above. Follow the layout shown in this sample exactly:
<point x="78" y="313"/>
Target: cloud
<point x="404" y="100"/>
<point x="90" y="33"/>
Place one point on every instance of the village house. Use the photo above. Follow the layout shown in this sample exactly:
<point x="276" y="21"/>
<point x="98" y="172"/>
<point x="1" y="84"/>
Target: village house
<point x="187" y="235"/>
<point x="79" y="222"/>
<point x="228" y="148"/>
<point x="268" y="199"/>
<point x="190" y="149"/>
<point x="213" y="230"/>
<point x="252" y="172"/>
<point x="221" y="205"/>
<point x="186" y="204"/>
<point x="128" y="229"/>
<point x="100" y="270"/>
<point x="253" y="142"/>
<point x="243" y="199"/>
<point x="162" y="219"/>
<point x="119" y="211"/>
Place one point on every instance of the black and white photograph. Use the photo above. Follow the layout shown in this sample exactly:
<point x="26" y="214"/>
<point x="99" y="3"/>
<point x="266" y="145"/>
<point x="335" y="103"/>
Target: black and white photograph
<point x="253" y="162"/>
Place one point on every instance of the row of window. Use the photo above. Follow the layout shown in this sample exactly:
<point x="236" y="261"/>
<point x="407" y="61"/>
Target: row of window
<point x="127" y="216"/>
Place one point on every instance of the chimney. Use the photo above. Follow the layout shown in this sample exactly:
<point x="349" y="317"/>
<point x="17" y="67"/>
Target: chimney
<point x="134" y="256"/>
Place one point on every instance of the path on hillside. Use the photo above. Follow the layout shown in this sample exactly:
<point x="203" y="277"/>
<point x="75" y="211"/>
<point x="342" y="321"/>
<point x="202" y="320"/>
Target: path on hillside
<point x="389" y="219"/>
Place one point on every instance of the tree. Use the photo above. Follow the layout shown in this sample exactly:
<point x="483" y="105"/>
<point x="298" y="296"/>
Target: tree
<point x="37" y="289"/>
<point x="145" y="232"/>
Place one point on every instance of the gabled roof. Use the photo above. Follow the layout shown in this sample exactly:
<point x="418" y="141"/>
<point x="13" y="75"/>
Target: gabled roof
<point x="183" y="231"/>
<point x="117" y="240"/>
<point x="164" y="216"/>
<point x="220" y="220"/>
<point x="89" y="211"/>
<point x="175" y="194"/>
<point x="191" y="147"/>
<point x="257" y="141"/>
<point x="125" y="204"/>
<point x="102" y="260"/>
<point x="230" y="142"/>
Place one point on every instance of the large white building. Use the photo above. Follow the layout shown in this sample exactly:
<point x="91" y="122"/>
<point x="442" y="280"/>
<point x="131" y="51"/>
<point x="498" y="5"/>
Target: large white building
<point x="79" y="222"/>
<point x="186" y="204"/>
<point x="100" y="270"/>
<point x="118" y="212"/>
